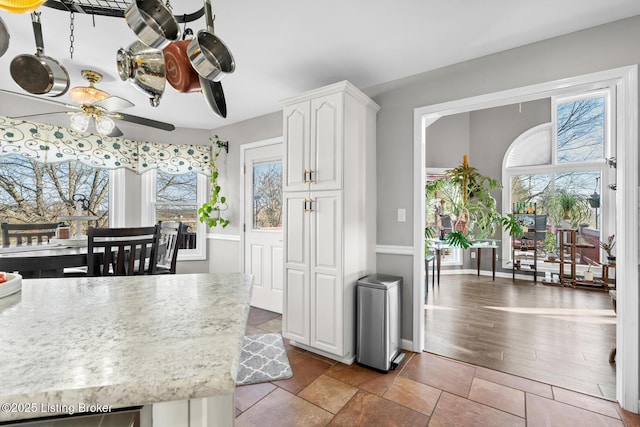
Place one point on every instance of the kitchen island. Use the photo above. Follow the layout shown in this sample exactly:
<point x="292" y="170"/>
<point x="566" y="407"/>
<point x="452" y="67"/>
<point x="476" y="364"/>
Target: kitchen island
<point x="169" y="343"/>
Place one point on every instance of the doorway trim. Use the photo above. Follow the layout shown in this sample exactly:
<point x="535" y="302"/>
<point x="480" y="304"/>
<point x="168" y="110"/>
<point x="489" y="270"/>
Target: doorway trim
<point x="626" y="81"/>
<point x="243" y="149"/>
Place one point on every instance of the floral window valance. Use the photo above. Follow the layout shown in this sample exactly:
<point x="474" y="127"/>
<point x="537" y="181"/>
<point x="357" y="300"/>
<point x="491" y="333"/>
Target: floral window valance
<point x="54" y="144"/>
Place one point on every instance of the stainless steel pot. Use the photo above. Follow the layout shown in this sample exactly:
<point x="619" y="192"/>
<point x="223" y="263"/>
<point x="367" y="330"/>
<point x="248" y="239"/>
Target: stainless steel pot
<point x="39" y="74"/>
<point x="153" y="23"/>
<point x="4" y="37"/>
<point x="208" y="55"/>
<point x="144" y="67"/>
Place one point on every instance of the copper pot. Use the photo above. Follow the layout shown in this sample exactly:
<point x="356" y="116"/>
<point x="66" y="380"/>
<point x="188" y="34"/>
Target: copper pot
<point x="180" y="74"/>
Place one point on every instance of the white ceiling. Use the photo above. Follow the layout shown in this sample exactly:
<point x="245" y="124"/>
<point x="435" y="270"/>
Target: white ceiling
<point x="285" y="47"/>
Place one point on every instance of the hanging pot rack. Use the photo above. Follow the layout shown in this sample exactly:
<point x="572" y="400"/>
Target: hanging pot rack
<point x="115" y="8"/>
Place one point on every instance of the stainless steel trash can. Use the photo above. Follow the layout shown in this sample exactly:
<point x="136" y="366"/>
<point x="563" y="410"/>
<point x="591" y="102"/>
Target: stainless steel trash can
<point x="379" y="298"/>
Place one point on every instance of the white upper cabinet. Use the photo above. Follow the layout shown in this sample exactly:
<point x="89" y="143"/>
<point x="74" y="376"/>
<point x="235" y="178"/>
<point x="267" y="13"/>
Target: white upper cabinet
<point x="314" y="155"/>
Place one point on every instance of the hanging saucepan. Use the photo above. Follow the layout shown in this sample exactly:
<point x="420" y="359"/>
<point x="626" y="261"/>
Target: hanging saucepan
<point x="39" y="74"/>
<point x="144" y="67"/>
<point x="209" y="56"/>
<point x="4" y="37"/>
<point x="153" y="23"/>
<point x="214" y="95"/>
<point x="180" y="73"/>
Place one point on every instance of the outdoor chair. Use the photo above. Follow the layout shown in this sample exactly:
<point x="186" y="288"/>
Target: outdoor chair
<point x="170" y="238"/>
<point x="27" y="234"/>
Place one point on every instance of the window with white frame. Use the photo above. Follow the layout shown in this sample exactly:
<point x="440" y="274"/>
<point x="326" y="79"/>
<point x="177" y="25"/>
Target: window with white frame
<point x="566" y="156"/>
<point x="34" y="192"/>
<point x="168" y="197"/>
<point x="439" y="224"/>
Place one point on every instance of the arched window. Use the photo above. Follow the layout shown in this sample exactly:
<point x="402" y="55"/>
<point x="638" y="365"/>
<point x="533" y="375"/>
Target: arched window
<point x="566" y="156"/>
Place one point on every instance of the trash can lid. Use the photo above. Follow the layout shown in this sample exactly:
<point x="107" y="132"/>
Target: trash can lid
<point x="380" y="281"/>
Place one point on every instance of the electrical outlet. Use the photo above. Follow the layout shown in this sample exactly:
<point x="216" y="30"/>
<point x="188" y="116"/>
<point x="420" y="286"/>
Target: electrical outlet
<point x="402" y="215"/>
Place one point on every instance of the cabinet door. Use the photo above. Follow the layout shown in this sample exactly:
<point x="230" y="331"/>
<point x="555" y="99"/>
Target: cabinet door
<point x="326" y="272"/>
<point x="327" y="128"/>
<point x="295" y="313"/>
<point x="296" y="146"/>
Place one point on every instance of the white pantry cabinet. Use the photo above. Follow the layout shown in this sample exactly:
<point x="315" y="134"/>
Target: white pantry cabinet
<point x="329" y="215"/>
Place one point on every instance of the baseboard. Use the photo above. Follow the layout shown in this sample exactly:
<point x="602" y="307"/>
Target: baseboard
<point x="231" y="237"/>
<point x="407" y="345"/>
<point x="346" y="360"/>
<point x="394" y="250"/>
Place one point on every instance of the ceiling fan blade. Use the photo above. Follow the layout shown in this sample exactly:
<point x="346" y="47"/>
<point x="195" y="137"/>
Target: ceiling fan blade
<point x="147" y="122"/>
<point x="33" y="97"/>
<point x="113" y="103"/>
<point x="39" y="114"/>
<point x="115" y="132"/>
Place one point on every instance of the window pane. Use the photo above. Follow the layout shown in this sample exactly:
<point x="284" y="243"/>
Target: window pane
<point x="581" y="130"/>
<point x="176" y="188"/>
<point x="532" y="189"/>
<point x="267" y="195"/>
<point x="176" y="201"/>
<point x="585" y="185"/>
<point x="34" y="192"/>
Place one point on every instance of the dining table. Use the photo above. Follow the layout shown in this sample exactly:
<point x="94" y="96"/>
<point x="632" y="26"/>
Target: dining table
<point x="439" y="246"/>
<point x="46" y="260"/>
<point x="166" y="345"/>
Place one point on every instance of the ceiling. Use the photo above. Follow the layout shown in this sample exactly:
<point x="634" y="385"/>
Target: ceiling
<point x="285" y="47"/>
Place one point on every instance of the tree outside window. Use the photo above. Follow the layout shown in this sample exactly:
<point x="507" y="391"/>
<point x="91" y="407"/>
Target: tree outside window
<point x="176" y="200"/>
<point x="576" y="168"/>
<point x="32" y="192"/>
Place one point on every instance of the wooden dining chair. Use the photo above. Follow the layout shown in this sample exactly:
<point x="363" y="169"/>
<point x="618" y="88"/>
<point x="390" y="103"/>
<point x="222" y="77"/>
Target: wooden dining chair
<point x="170" y="242"/>
<point x="27" y="234"/>
<point x="122" y="251"/>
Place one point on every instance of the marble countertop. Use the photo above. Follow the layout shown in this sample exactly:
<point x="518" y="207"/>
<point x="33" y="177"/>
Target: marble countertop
<point x="119" y="341"/>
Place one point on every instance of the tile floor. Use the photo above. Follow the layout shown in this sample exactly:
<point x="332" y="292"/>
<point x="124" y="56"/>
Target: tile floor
<point x="427" y="390"/>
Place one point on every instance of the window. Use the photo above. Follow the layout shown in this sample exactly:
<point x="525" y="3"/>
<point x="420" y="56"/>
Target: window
<point x="35" y="192"/>
<point x="566" y="156"/>
<point x="438" y="222"/>
<point x="267" y="196"/>
<point x="168" y="197"/>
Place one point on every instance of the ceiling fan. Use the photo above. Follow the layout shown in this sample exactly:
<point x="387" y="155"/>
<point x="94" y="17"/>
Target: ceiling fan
<point x="93" y="105"/>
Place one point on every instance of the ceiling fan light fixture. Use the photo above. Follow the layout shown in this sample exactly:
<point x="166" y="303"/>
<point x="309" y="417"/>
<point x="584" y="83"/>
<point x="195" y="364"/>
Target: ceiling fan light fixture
<point x="104" y="125"/>
<point x="84" y="95"/>
<point x="79" y="122"/>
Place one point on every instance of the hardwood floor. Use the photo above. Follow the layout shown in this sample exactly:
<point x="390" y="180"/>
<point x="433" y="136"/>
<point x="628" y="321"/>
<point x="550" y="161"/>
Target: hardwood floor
<point x="559" y="336"/>
<point x="426" y="390"/>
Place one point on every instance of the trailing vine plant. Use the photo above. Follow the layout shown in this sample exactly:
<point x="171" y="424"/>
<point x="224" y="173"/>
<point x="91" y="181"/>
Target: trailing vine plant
<point x="210" y="212"/>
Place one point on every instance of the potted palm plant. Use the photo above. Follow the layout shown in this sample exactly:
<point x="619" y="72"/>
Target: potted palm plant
<point x="473" y="209"/>
<point x="210" y="212"/>
<point x="572" y="208"/>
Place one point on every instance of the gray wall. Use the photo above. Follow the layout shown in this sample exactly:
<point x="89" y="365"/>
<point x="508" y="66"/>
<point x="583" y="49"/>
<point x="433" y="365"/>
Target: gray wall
<point x="596" y="49"/>
<point x="447" y="140"/>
